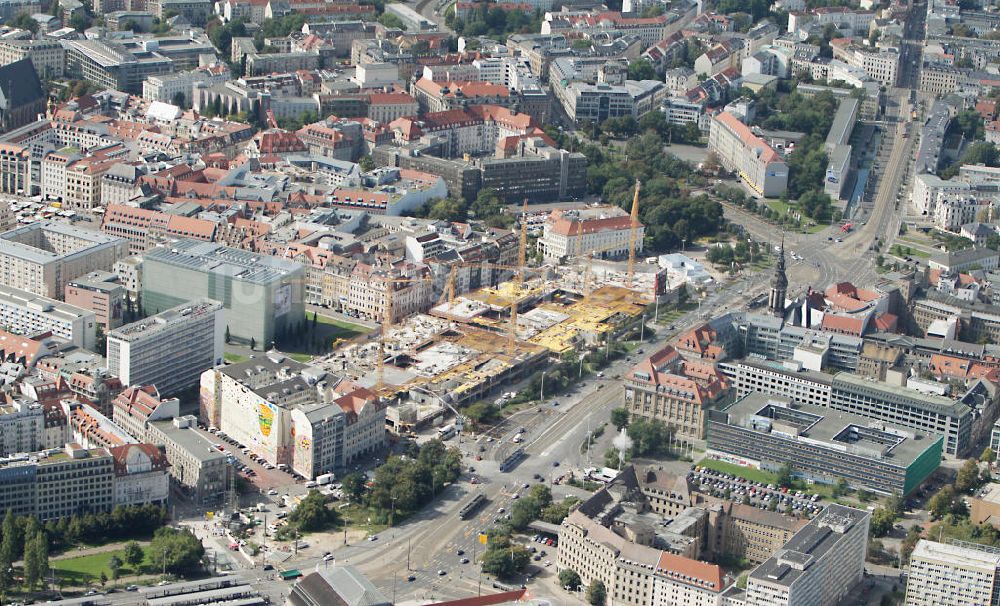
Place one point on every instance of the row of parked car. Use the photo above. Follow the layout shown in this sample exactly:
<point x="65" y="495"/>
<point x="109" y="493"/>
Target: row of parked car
<point x="763" y="496"/>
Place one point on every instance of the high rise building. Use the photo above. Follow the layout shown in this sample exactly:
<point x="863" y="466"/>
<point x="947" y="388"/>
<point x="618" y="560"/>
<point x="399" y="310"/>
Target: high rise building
<point x="262" y="295"/>
<point x="819" y="566"/>
<point x="169" y="350"/>
<point x="953" y="574"/>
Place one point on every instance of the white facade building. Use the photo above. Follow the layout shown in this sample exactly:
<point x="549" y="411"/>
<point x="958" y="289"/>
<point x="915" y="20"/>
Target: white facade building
<point x="169" y="350"/>
<point x="952" y="575"/>
<point x="26" y="313"/>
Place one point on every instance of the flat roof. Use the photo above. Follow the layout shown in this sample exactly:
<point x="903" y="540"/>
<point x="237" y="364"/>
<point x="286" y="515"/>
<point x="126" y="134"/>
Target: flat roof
<point x="820" y="536"/>
<point x="11" y="247"/>
<point x="208" y="257"/>
<point x="57" y="310"/>
<point x="829" y="428"/>
<point x="929" y="402"/>
<point x="965" y="555"/>
<point x="152" y="325"/>
<point x="190" y="440"/>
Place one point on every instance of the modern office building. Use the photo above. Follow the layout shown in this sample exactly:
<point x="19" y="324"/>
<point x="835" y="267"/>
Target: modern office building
<point x="822" y="445"/>
<point x="819" y="566"/>
<point x="100" y="293"/>
<point x="907" y="408"/>
<point x="293" y="414"/>
<point x="58" y="483"/>
<point x="741" y="151"/>
<point x="26" y="313"/>
<point x="169" y="350"/>
<point x="953" y="574"/>
<point x="112" y="65"/>
<point x="263" y="296"/>
<point x="200" y="473"/>
<point x="43" y="257"/>
<point x="772" y="378"/>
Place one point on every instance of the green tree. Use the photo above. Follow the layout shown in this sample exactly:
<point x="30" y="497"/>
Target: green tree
<point x="228" y="336"/>
<point x="133" y="556"/>
<point x="816" y="205"/>
<point x="841" y="487"/>
<point x="968" y="476"/>
<point x="785" y="476"/>
<point x="104" y="578"/>
<point x="253" y="343"/>
<point x="115" y="566"/>
<point x="24" y="21"/>
<point x="312" y="513"/>
<point x="988" y="455"/>
<point x="447" y="209"/>
<point x="32" y="560"/>
<point x="11" y="545"/>
<point x="943" y="502"/>
<point x="569" y="579"/>
<point x="881" y="522"/>
<point x="178" y="551"/>
<point x="641" y="69"/>
<point x="619" y="417"/>
<point x="596" y="593"/>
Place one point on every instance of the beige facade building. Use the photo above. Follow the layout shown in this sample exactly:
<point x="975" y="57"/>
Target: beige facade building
<point x="48" y="56"/>
<point x="604" y="232"/>
<point x="43" y="257"/>
<point x="952" y="575"/>
<point x="678" y="392"/>
<point x="200" y="473"/>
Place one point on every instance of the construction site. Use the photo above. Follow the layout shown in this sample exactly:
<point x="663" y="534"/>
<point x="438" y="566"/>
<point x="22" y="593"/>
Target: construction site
<point x="468" y="347"/>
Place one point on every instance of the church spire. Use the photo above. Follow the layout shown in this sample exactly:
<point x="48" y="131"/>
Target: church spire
<point x="779" y="284"/>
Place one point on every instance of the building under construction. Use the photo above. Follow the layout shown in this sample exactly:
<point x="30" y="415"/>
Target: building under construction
<point x="431" y="364"/>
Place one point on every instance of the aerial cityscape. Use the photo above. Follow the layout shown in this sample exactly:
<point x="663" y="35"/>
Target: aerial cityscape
<point x="500" y="302"/>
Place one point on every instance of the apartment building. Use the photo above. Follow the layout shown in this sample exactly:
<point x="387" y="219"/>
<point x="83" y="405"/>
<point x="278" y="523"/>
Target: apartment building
<point x="756" y="534"/>
<point x="952" y="574"/>
<point x="293" y="414"/>
<point x="48" y="56"/>
<point x="605" y="232"/>
<point x="43" y="257"/>
<point x="821" y="445"/>
<point x="169" y="350"/>
<point x="819" y="566"/>
<point x="262" y="295"/>
<point x="140" y="475"/>
<point x="200" y="473"/>
<point x="22" y="428"/>
<point x="26" y="313"/>
<point x="138" y="405"/>
<point x="146" y="228"/>
<point x="58" y="483"/>
<point x="679" y="392"/>
<point x="100" y="293"/>
<point x="741" y="151"/>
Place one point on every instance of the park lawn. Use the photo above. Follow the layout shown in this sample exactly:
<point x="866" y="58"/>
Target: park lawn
<point x="233" y="358"/>
<point x="339" y="328"/>
<point x="84" y="570"/>
<point x="300" y="357"/>
<point x="777" y="205"/>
